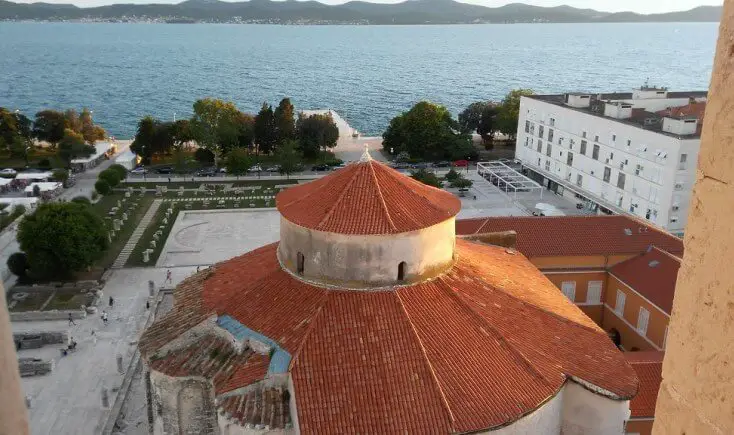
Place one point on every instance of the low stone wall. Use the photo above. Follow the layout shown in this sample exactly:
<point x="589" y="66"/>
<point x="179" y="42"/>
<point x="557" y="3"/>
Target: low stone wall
<point x="34" y="366"/>
<point x="34" y="339"/>
<point x="29" y="316"/>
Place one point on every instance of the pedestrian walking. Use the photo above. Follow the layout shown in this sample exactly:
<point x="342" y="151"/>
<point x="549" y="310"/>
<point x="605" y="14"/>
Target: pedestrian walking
<point x="168" y="277"/>
<point x="112" y="302"/>
<point x="197" y="269"/>
<point x="104" y="317"/>
<point x="71" y="320"/>
<point x="147" y="305"/>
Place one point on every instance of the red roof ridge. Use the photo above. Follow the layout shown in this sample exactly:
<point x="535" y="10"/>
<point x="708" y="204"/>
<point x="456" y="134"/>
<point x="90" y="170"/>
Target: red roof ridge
<point x="307" y="334"/>
<point x="663" y="251"/>
<point x="382" y="197"/>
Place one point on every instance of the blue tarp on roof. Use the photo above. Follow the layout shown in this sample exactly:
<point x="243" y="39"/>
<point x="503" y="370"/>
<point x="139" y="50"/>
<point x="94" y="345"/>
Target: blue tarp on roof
<point x="280" y="359"/>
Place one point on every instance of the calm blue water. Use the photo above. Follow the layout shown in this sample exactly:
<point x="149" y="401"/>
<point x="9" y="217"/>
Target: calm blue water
<point x="367" y="74"/>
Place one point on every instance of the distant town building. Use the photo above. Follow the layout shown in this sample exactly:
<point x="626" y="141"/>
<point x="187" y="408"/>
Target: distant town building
<point x="616" y="153"/>
<point x="371" y="316"/>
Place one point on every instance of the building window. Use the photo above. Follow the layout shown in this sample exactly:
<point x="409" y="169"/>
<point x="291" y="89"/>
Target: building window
<point x="540" y="146"/>
<point x="569" y="290"/>
<point x="621" y="180"/>
<point x="579" y="179"/>
<point x="619" y="305"/>
<point x="300" y="260"/>
<point x="553" y="122"/>
<point x="527" y="126"/>
<point x="607" y="174"/>
<point x="550" y="134"/>
<point x="614" y="138"/>
<point x="548" y="150"/>
<point x="596" y="138"/>
<point x="569" y="159"/>
<point x="401" y="271"/>
<point x="595" y="153"/>
<point x="538" y="161"/>
<point x="682" y="164"/>
<point x="642" y="318"/>
<point x="583" y="134"/>
<point x="629" y="143"/>
<point x="593" y="292"/>
<point x="540" y="131"/>
<point x="583" y="147"/>
<point x="547" y="165"/>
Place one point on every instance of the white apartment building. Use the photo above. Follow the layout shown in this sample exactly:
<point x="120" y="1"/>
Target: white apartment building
<point x="630" y="153"/>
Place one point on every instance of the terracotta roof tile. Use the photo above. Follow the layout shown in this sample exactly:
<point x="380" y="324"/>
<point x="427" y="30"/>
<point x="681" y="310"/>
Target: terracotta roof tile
<point x="480" y="346"/>
<point x="366" y="198"/>
<point x="649" y="367"/>
<point x="652" y="274"/>
<point x="576" y="235"/>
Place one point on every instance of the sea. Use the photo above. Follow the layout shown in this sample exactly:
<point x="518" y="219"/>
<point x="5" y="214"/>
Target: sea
<point x="368" y="74"/>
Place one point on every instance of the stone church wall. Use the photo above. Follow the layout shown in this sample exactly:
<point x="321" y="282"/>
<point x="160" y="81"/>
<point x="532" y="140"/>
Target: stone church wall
<point x="182" y="406"/>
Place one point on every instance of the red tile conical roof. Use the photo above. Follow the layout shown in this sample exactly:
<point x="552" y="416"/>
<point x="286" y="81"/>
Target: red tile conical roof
<point x="366" y="198"/>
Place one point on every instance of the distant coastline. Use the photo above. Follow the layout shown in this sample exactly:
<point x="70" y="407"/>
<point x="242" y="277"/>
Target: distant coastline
<point x="418" y="12"/>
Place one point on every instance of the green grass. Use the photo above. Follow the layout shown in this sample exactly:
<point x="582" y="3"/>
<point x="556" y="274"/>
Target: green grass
<point x="33" y="302"/>
<point x="195" y="185"/>
<point x="68" y="300"/>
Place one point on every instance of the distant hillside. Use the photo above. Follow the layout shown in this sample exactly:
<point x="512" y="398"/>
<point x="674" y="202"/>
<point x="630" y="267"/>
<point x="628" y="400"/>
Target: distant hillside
<point x="312" y="12"/>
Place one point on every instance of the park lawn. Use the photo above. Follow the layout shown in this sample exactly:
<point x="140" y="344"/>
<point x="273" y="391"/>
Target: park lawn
<point x="38" y="154"/>
<point x="136" y="257"/>
<point x="33" y="302"/>
<point x="196" y="184"/>
<point x="102" y="208"/>
<point x="68" y="300"/>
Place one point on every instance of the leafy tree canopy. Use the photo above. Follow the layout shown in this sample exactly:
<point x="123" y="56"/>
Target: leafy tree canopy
<point x="316" y="132"/>
<point x="288" y="157"/>
<point x="509" y="111"/>
<point x="266" y="135"/>
<point x="49" y="126"/>
<point x="61" y="238"/>
<point x="426" y="177"/>
<point x="214" y="122"/>
<point x="426" y="131"/>
<point x="72" y="146"/>
<point x="480" y="117"/>
<point x="102" y="187"/>
<point x="238" y="161"/>
<point x="285" y="122"/>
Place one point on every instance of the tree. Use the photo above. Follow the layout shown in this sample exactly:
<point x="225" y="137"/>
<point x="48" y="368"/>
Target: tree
<point x="213" y="121"/>
<point x="240" y="133"/>
<point x="316" y="132"/>
<point x="426" y="131"/>
<point x="287" y="157"/>
<point x="266" y="135"/>
<point x="480" y="117"/>
<point x="61" y="175"/>
<point x="238" y="162"/>
<point x="102" y="187"/>
<point x="452" y="175"/>
<point x="285" y="123"/>
<point x="49" y="126"/>
<point x="144" y="137"/>
<point x="509" y="111"/>
<point x="61" y="238"/>
<point x="72" y="121"/>
<point x="460" y="182"/>
<point x="15" y="132"/>
<point x="204" y="156"/>
<point x="426" y="177"/>
<point x="181" y="133"/>
<point x="18" y="264"/>
<point x="121" y="170"/>
<point x="81" y="200"/>
<point x="89" y="130"/>
<point x="72" y="146"/>
<point x="111" y="176"/>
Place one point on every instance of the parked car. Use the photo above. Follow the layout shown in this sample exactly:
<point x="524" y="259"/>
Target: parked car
<point x="164" y="170"/>
<point x="206" y="172"/>
<point x="421" y="165"/>
<point x="9" y="171"/>
<point x="255" y="168"/>
<point x="139" y="170"/>
<point x="443" y="164"/>
<point x="222" y="170"/>
<point x="322" y="167"/>
<point x="274" y="168"/>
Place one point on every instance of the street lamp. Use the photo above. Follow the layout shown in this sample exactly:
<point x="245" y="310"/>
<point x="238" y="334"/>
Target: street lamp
<point x="144" y="177"/>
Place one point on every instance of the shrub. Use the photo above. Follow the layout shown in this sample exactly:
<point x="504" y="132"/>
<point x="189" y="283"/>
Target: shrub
<point x="204" y="156"/>
<point x="61" y="175"/>
<point x="426" y="177"/>
<point x="111" y="176"/>
<point x="461" y="183"/>
<point x="95" y="195"/>
<point x="44" y="163"/>
<point x="18" y="264"/>
<point x="452" y="175"/>
<point x="334" y="162"/>
<point x="81" y="200"/>
<point x="18" y="210"/>
<point x="120" y="170"/>
<point x="102" y="187"/>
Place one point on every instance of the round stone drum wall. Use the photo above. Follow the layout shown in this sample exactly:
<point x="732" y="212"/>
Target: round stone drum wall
<point x="361" y="261"/>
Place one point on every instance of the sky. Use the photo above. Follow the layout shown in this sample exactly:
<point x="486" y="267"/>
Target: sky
<point x="640" y="6"/>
